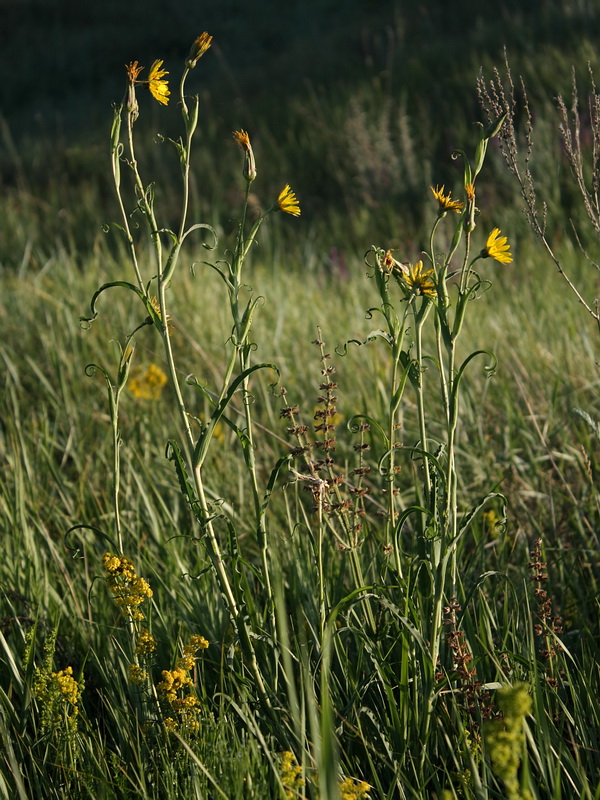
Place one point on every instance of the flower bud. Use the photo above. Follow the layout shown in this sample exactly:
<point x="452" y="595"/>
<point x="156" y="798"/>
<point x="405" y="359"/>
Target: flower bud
<point x="242" y="138"/>
<point x="493" y="129"/>
<point x="197" y="50"/>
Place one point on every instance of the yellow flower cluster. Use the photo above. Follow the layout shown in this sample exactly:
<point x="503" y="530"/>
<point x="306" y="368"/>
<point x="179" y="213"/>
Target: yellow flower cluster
<point x="67" y="685"/>
<point x="174" y="680"/>
<point x="146" y="644"/>
<point x="128" y="588"/>
<point x="177" y="689"/>
<point x="137" y="675"/>
<point x="504" y="738"/>
<point x="351" y="789"/>
<point x="59" y="694"/>
<point x="290" y="775"/>
<point x="148" y="384"/>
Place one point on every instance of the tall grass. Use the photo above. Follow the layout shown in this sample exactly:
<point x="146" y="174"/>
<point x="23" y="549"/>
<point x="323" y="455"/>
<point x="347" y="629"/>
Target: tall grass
<point x="371" y="554"/>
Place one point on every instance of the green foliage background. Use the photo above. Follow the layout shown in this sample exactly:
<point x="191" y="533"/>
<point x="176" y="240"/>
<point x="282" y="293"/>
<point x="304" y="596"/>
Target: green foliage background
<point x="358" y="105"/>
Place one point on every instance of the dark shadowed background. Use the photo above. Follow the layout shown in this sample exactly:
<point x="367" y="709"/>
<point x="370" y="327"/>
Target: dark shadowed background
<point x="357" y="104"/>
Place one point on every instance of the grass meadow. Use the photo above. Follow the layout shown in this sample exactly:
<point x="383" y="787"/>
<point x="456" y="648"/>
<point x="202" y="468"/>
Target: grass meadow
<point x="299" y="426"/>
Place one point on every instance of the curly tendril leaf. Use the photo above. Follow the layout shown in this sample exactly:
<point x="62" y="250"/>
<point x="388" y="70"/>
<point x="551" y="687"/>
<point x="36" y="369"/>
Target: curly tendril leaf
<point x="97" y="531"/>
<point x="91" y="370"/>
<point x="378" y="333"/>
<point x="468" y="174"/>
<point x="206" y="227"/>
<point x="103" y="288"/>
<point x="171" y="264"/>
<point x="490" y="369"/>
<point x="353" y="426"/>
<point x="218" y="270"/>
<point x="414" y="450"/>
<point x="407" y="513"/>
<point x="178" y="145"/>
<point x="472" y="513"/>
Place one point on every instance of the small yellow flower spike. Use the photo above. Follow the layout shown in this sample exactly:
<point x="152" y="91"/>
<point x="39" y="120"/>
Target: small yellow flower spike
<point x="287" y="201"/>
<point x="159" y="88"/>
<point x="497" y="247"/>
<point x="418" y="281"/>
<point x="445" y="201"/>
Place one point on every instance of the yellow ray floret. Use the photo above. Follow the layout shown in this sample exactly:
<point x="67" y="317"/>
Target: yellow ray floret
<point x="418" y="281"/>
<point x="287" y="201"/>
<point x="445" y="201"/>
<point x="159" y="88"/>
<point x="497" y="247"/>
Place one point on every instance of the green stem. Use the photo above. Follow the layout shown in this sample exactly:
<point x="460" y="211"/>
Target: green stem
<point x="421" y="403"/>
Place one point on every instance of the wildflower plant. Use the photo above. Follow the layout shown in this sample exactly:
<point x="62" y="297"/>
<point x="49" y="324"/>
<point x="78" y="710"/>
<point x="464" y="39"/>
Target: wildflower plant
<point x="58" y="694"/>
<point x="413" y="295"/>
<point x="152" y="283"/>
<point x="505" y="739"/>
<point x="176" y="691"/>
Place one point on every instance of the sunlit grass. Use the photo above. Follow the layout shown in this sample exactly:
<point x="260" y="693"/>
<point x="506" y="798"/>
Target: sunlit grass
<point x="304" y="564"/>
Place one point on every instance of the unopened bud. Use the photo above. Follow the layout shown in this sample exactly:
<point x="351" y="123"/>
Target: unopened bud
<point x="493" y="129"/>
<point x="242" y="138"/>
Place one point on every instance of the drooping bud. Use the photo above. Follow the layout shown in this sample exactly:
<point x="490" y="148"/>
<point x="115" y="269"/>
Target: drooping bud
<point x="469" y="221"/>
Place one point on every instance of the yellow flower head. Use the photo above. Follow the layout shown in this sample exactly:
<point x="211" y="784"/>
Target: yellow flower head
<point x="418" y="281"/>
<point x="497" y="247"/>
<point x="287" y="201"/>
<point x="133" y="70"/>
<point x="159" y="88"/>
<point x="446" y="203"/>
<point x="470" y="192"/>
<point x="199" y="47"/>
